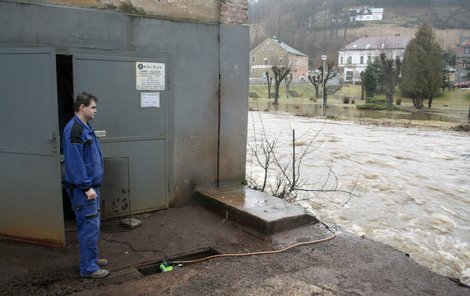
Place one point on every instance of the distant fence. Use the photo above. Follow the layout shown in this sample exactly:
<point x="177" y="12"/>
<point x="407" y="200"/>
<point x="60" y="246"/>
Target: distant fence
<point x="263" y="81"/>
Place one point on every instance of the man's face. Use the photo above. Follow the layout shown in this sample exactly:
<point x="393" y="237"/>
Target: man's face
<point x="89" y="111"/>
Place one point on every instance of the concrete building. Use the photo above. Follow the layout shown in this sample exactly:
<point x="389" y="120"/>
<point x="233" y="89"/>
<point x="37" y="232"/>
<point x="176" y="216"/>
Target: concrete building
<point x="172" y="83"/>
<point x="273" y="52"/>
<point x="365" y="14"/>
<point x="462" y="62"/>
<point x="354" y="57"/>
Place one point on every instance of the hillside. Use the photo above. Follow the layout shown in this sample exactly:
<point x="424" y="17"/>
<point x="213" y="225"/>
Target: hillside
<point x="318" y="27"/>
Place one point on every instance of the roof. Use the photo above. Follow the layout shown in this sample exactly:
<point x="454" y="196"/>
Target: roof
<point x="365" y="11"/>
<point x="283" y="45"/>
<point x="288" y="48"/>
<point x="465" y="43"/>
<point x="383" y="42"/>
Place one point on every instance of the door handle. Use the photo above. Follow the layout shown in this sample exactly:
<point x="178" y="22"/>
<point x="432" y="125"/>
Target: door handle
<point x="54" y="139"/>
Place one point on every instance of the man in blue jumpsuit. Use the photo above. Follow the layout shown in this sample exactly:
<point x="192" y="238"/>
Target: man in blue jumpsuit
<point x="83" y="176"/>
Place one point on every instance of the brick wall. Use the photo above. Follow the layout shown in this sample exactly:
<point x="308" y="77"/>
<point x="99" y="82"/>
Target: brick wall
<point x="233" y="11"/>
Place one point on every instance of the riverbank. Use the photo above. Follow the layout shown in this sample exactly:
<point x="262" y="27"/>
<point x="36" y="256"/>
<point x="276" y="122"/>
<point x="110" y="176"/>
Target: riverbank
<point x="448" y="106"/>
<point x="345" y="265"/>
<point x="427" y="124"/>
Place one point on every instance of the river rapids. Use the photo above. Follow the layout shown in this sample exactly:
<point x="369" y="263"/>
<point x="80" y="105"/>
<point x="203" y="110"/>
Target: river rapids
<point x="410" y="186"/>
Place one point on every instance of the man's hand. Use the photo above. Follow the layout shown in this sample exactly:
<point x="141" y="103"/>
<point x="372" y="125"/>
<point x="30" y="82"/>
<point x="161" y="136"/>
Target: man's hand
<point x="90" y="194"/>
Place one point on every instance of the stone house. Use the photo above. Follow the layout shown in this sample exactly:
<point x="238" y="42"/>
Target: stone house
<point x="273" y="52"/>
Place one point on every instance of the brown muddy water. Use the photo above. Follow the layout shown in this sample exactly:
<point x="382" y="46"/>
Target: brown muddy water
<point x="411" y="185"/>
<point x="350" y="111"/>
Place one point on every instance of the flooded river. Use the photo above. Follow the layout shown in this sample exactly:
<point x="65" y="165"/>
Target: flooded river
<point x="411" y="186"/>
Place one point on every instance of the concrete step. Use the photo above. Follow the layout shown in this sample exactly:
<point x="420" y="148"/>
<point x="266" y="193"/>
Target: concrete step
<point x="257" y="210"/>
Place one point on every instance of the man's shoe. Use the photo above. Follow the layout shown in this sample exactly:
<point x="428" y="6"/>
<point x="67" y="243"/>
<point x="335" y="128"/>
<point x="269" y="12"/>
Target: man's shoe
<point x="102" y="262"/>
<point x="100" y="273"/>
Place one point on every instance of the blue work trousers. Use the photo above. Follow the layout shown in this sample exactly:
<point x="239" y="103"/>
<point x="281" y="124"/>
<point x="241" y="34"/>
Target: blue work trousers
<point x="87" y="218"/>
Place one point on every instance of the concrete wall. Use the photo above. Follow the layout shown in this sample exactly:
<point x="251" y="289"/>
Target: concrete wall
<point x="196" y="59"/>
<point x="234" y="101"/>
<point x="198" y="10"/>
<point x="227" y="11"/>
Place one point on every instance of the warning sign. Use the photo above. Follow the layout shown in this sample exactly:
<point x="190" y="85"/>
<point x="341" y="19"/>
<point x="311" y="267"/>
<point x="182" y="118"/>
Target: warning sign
<point x="150" y="76"/>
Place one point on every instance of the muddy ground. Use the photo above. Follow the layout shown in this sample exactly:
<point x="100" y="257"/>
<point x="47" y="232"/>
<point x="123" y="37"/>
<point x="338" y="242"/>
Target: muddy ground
<point x="345" y="265"/>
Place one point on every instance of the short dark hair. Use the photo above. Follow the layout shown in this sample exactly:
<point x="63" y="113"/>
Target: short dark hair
<point x="83" y="98"/>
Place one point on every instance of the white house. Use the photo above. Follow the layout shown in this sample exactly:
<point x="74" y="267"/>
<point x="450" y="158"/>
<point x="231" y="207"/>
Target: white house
<point x="365" y="14"/>
<point x="354" y="57"/>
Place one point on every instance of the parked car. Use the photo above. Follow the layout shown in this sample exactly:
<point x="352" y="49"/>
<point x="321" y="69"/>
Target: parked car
<point x="464" y="84"/>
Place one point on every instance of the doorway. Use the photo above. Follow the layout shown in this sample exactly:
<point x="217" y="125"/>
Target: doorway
<point x="64" y="72"/>
<point x="134" y="146"/>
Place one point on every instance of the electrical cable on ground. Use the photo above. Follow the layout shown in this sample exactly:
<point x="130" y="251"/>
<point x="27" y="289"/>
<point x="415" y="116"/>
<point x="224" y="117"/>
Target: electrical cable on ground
<point x="132" y="247"/>
<point x="230" y="254"/>
<point x="261" y="252"/>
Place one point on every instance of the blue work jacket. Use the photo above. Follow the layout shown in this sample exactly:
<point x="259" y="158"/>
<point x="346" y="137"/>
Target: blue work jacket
<point x="82" y="156"/>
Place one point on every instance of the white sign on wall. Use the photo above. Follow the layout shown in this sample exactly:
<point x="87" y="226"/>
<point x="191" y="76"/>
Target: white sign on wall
<point x="150" y="99"/>
<point x="150" y="76"/>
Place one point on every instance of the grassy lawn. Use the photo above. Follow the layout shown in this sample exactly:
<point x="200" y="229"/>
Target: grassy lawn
<point x="454" y="103"/>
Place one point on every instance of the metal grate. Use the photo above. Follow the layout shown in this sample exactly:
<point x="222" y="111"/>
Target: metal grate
<point x="115" y="195"/>
<point x="117" y="277"/>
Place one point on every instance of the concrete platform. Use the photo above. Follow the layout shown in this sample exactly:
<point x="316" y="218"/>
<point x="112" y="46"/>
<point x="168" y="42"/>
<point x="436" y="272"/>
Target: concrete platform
<point x="256" y="210"/>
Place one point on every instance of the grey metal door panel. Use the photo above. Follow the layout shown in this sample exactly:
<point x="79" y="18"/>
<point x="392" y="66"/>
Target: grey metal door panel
<point x="112" y="80"/>
<point x="147" y="183"/>
<point x="136" y="133"/>
<point x="30" y="178"/>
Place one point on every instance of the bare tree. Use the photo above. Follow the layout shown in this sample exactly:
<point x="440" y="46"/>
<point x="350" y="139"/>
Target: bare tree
<point x="362" y="84"/>
<point x="289" y="181"/>
<point x="315" y="80"/>
<point x="324" y="78"/>
<point x="280" y="72"/>
<point x="391" y="70"/>
<point x="269" y="80"/>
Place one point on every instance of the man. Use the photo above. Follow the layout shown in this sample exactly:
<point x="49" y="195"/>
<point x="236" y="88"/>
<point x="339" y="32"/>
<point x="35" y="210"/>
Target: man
<point x="83" y="176"/>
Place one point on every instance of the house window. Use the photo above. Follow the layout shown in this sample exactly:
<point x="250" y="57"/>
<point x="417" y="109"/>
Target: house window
<point x="349" y="75"/>
<point x="369" y="59"/>
<point x="466" y="50"/>
<point x="350" y="60"/>
<point x="341" y="60"/>
<point x="265" y="61"/>
<point x="253" y="60"/>
<point x="280" y="61"/>
<point x="362" y="60"/>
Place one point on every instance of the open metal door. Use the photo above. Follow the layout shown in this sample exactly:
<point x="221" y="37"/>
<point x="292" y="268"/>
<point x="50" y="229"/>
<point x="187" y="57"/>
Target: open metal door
<point x="30" y="177"/>
<point x="132" y="132"/>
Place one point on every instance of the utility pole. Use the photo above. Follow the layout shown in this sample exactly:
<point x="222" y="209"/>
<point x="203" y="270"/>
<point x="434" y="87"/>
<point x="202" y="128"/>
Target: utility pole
<point x="323" y="57"/>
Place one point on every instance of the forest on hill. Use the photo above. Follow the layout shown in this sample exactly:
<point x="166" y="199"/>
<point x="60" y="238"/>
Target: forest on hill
<point x="317" y="27"/>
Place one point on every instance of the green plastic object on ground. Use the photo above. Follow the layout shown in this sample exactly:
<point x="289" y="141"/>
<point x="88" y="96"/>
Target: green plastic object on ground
<point x="166" y="266"/>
